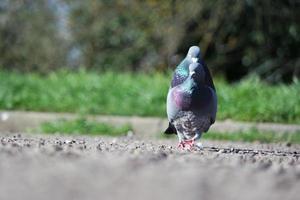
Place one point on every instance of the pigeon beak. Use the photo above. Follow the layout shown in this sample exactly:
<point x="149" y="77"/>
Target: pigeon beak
<point x="194" y="60"/>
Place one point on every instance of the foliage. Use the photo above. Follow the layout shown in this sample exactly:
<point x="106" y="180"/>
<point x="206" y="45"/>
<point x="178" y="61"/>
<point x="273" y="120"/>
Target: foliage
<point x="255" y="136"/>
<point x="114" y="34"/>
<point x="237" y="37"/>
<point x="249" y="36"/>
<point x="144" y="95"/>
<point x="83" y="126"/>
<point x="29" y="36"/>
<point x="254" y="100"/>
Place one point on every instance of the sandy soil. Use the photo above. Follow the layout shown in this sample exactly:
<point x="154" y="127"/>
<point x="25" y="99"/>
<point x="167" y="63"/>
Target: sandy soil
<point x="55" y="167"/>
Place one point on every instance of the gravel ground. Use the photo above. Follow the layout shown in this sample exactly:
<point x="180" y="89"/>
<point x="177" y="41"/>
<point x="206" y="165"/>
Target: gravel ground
<point x="57" y="167"/>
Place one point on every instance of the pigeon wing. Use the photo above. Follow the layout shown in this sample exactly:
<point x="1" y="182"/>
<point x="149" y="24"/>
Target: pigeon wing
<point x="204" y="102"/>
<point x="181" y="73"/>
<point x="208" y="78"/>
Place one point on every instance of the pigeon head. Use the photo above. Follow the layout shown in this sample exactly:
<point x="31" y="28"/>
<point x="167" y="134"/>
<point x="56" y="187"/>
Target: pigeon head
<point x="193" y="54"/>
<point x="196" y="72"/>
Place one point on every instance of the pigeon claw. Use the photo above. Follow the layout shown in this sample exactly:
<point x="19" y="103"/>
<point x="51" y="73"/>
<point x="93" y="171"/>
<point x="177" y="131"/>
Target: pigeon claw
<point x="186" y="144"/>
<point x="181" y="145"/>
<point x="190" y="144"/>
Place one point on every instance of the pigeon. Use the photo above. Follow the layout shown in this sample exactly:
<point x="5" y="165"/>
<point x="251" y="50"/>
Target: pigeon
<point x="181" y="73"/>
<point x="191" y="100"/>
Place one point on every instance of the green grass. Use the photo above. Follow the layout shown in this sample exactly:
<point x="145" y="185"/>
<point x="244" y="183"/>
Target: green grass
<point x="83" y="126"/>
<point x="251" y="136"/>
<point x="140" y="94"/>
<point x="255" y="136"/>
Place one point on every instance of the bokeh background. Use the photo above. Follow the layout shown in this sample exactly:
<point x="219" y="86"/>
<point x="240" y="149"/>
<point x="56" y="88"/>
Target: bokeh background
<point x="236" y="37"/>
<point x="116" y="57"/>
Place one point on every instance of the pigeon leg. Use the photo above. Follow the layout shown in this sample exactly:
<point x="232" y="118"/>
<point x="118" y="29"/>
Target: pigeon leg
<point x="181" y="143"/>
<point x="192" y="142"/>
<point x="189" y="144"/>
<point x="197" y="137"/>
<point x="186" y="144"/>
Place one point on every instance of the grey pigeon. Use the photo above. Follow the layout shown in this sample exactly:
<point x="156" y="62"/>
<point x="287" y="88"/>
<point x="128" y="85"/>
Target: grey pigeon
<point x="191" y="100"/>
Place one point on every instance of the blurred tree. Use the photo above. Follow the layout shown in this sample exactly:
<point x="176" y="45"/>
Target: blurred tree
<point x="250" y="36"/>
<point x="118" y="34"/>
<point x="29" y="38"/>
<point x="237" y="37"/>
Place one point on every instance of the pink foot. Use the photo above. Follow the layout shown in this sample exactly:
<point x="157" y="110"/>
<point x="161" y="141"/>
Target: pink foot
<point x="189" y="144"/>
<point x="186" y="144"/>
<point x="181" y="145"/>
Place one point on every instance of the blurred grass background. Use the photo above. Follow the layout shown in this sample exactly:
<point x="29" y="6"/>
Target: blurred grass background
<point x="142" y="94"/>
<point x="83" y="126"/>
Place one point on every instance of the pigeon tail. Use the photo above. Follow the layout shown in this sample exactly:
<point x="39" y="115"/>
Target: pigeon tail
<point x="171" y="129"/>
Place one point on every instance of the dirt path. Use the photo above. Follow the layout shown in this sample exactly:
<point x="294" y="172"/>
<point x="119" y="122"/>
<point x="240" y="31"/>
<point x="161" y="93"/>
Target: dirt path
<point x="55" y="167"/>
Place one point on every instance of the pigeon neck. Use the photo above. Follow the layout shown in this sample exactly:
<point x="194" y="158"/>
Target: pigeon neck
<point x="182" y="68"/>
<point x="188" y="84"/>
